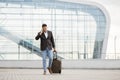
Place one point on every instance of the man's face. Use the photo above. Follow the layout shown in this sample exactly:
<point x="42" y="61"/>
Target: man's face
<point x="44" y="28"/>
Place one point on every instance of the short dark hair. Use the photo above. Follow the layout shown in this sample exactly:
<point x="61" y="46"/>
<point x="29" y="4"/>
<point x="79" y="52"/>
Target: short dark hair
<point x="44" y="25"/>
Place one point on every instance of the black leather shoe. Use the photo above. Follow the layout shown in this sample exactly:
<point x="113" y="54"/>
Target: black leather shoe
<point x="50" y="71"/>
<point x="44" y="73"/>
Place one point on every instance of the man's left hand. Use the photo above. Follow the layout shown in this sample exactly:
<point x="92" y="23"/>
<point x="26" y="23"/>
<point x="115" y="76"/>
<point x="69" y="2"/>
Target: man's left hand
<point x="54" y="50"/>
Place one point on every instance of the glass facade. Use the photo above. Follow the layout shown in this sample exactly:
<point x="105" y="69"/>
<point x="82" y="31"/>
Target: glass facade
<point x="78" y="29"/>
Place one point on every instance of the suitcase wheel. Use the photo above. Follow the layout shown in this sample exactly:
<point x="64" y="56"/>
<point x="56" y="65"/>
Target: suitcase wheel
<point x="59" y="71"/>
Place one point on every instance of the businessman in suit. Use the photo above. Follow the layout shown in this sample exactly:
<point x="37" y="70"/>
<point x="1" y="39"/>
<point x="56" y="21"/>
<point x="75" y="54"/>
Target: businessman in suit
<point x="47" y="46"/>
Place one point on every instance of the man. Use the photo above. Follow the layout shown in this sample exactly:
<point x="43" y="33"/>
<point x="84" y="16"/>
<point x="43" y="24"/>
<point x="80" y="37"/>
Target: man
<point x="47" y="44"/>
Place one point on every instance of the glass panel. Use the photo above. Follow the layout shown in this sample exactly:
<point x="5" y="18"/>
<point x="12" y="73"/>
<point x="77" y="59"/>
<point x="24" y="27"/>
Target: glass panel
<point x="74" y="31"/>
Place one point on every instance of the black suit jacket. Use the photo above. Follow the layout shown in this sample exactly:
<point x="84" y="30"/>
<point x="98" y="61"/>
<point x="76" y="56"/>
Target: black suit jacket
<point x="46" y="42"/>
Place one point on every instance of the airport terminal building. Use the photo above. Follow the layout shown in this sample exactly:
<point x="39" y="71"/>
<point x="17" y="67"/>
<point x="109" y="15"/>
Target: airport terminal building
<point x="80" y="29"/>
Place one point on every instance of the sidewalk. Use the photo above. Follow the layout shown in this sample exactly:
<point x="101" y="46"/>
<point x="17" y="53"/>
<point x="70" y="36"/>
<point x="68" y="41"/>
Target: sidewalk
<point x="67" y="74"/>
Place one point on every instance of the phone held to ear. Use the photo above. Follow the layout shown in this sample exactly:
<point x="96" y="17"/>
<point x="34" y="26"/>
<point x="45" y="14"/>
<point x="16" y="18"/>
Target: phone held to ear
<point x="41" y="31"/>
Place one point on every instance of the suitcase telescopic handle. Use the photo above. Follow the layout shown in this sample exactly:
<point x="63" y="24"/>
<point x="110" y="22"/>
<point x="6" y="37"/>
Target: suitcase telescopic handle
<point x="55" y="53"/>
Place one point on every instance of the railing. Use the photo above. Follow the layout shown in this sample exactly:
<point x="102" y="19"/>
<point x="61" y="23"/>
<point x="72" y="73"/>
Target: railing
<point x="21" y="42"/>
<point x="67" y="56"/>
<point x="1" y="57"/>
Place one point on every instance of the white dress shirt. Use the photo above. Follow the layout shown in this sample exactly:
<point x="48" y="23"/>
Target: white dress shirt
<point x="46" y="34"/>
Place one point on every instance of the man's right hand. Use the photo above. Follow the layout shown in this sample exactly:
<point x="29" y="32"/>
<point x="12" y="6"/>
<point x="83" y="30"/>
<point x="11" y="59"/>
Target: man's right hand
<point x="41" y="31"/>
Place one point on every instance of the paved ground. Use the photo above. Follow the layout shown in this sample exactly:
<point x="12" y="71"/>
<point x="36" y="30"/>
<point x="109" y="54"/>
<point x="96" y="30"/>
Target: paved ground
<point x="67" y="74"/>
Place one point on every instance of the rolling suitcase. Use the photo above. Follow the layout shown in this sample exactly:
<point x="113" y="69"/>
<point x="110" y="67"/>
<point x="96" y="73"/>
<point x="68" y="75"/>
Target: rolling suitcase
<point x="56" y="65"/>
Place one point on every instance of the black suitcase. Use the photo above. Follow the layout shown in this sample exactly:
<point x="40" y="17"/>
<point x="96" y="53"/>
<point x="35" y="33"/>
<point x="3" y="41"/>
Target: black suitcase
<point x="56" y="65"/>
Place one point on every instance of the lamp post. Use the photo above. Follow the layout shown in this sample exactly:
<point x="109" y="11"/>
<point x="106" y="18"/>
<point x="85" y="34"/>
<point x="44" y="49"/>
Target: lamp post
<point x="115" y="45"/>
<point x="85" y="47"/>
<point x="18" y="52"/>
